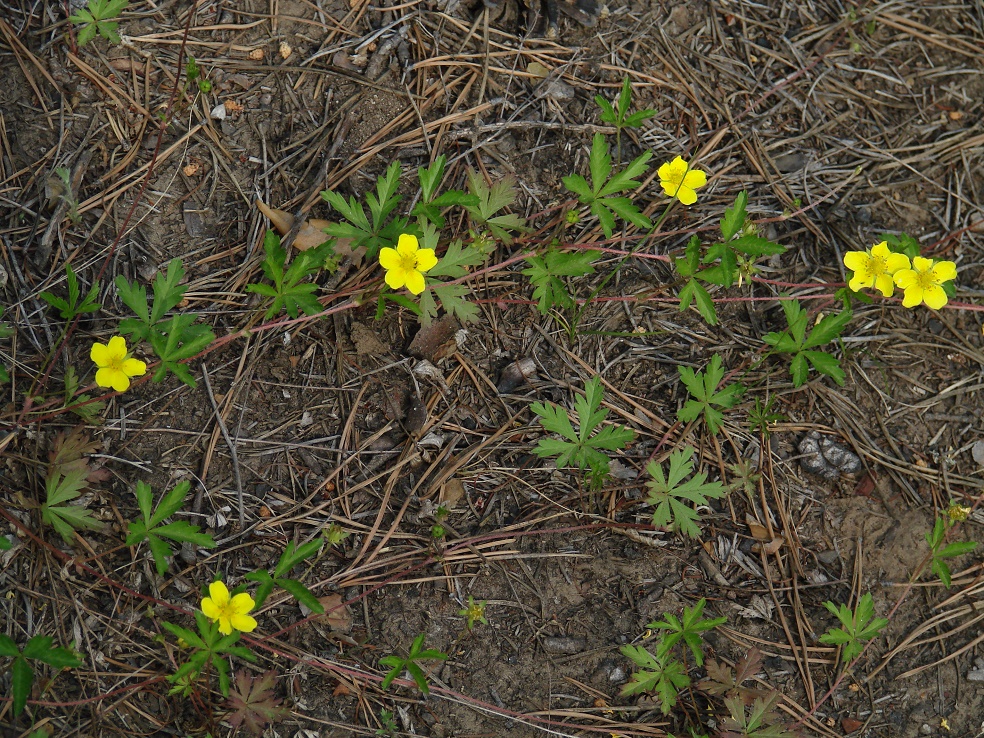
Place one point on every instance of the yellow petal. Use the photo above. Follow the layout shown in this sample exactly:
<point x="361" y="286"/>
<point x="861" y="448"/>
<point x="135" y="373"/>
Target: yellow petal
<point x="219" y="593"/>
<point x="880" y="249"/>
<point x="859" y="282"/>
<point x="116" y="348"/>
<point x="210" y="609"/>
<point x="134" y="368"/>
<point x="895" y="262"/>
<point x="686" y="195"/>
<point x="99" y="353"/>
<point x="389" y="258"/>
<point x="121" y="382"/>
<point x="944" y="271"/>
<point x="695" y="178"/>
<point x="242" y="603"/>
<point x="415" y="282"/>
<point x="922" y="264"/>
<point x="884" y="284"/>
<point x="408" y="241"/>
<point x="225" y="625"/>
<point x="407" y="245"/>
<point x="396" y="278"/>
<point x="905" y="278"/>
<point x="426" y="259"/>
<point x="913" y="296"/>
<point x="664" y="171"/>
<point x="856" y="261"/>
<point x="934" y="297"/>
<point x="104" y="377"/>
<point x="245" y="623"/>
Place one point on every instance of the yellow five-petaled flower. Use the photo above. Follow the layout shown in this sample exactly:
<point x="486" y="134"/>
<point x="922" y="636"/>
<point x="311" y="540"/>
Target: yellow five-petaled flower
<point x="924" y="282"/>
<point x="228" y="612"/>
<point x="405" y="265"/>
<point x="115" y="367"/>
<point x="680" y="181"/>
<point x="875" y="268"/>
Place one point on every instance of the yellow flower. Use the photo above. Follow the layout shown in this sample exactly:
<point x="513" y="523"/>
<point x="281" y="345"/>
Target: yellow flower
<point x="922" y="283"/>
<point x="228" y="612"/>
<point x="680" y="181"/>
<point x="875" y="268"/>
<point x="115" y="366"/>
<point x="405" y="265"/>
<point x="957" y="512"/>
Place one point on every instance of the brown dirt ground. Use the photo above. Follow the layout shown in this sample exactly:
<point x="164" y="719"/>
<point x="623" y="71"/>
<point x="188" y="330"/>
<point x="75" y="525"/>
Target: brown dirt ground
<point x="862" y="119"/>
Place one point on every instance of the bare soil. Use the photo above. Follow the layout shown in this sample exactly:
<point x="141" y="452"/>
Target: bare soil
<point x="842" y="123"/>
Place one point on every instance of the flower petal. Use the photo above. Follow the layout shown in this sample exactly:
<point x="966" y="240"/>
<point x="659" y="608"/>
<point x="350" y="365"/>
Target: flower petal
<point x="934" y="297"/>
<point x="895" y="262"/>
<point x="116" y="347"/>
<point x="859" y="282"/>
<point x="242" y="603"/>
<point x="99" y="353"/>
<point x="225" y="625"/>
<point x="389" y="258"/>
<point x="408" y="240"/>
<point x="905" y="278"/>
<point x="913" y="296"/>
<point x="665" y="171"/>
<point x="884" y="284"/>
<point x="396" y="278"/>
<point x="695" y="178"/>
<point x="219" y="593"/>
<point x="104" y="377"/>
<point x="121" y="382"/>
<point x="245" y="623"/>
<point x="134" y="367"/>
<point x="686" y="195"/>
<point x="415" y="282"/>
<point x="407" y="245"/>
<point x="922" y="264"/>
<point x="856" y="261"/>
<point x="210" y="609"/>
<point x="944" y="271"/>
<point x="426" y="259"/>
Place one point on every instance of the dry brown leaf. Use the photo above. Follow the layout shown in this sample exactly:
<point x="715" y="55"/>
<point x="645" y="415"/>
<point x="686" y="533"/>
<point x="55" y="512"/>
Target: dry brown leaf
<point x="311" y="235"/>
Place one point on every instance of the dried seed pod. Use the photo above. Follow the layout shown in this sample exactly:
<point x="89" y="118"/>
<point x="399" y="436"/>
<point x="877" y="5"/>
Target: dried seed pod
<point x="826" y="458"/>
<point x="515" y="374"/>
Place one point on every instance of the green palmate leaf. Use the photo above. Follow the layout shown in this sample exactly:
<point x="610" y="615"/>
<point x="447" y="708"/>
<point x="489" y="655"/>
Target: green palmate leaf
<point x="457" y="260"/>
<point x="687" y="630"/>
<point x="859" y="626"/>
<point x="659" y="674"/>
<point x="62" y="488"/>
<point x="547" y="272"/>
<point x="707" y="398"/>
<point x="288" y="291"/>
<point x="598" y="194"/>
<point x="291" y="557"/>
<point x="580" y="447"/>
<point x="417" y="653"/>
<point x="153" y="529"/>
<point x="70" y="308"/>
<point x="940" y="550"/>
<point x="491" y="200"/>
<point x="452" y="297"/>
<point x="669" y="493"/>
<point x="734" y="217"/>
<point x="694" y="292"/>
<point x="382" y="230"/>
<point x="798" y="343"/>
<point x="431" y="204"/>
<point x="619" y="115"/>
<point x="97" y="17"/>
<point x="38" y="648"/>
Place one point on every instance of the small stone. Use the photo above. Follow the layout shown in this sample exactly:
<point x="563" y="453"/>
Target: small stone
<point x="561" y="645"/>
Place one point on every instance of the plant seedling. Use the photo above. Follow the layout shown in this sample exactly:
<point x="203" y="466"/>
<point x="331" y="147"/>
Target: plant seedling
<point x="800" y="345"/>
<point x="687" y="630"/>
<point x="859" y="626"/>
<point x="153" y="529"/>
<point x="98" y="18"/>
<point x="667" y="492"/>
<point x="417" y="653"/>
<point x="22" y="674"/>
<point x="582" y="447"/>
<point x="703" y="389"/>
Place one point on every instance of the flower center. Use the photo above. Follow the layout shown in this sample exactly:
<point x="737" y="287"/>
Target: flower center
<point x="116" y="363"/>
<point x="408" y="262"/>
<point x="925" y="279"/>
<point x="877" y="265"/>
